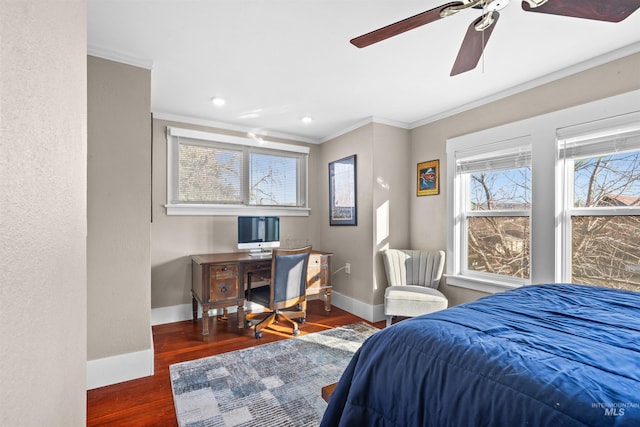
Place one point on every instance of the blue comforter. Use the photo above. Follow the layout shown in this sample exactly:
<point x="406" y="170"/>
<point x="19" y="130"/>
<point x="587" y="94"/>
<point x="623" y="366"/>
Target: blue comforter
<point x="541" y="355"/>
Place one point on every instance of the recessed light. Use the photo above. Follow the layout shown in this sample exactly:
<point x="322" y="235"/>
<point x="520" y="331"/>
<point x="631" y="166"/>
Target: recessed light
<point x="306" y="120"/>
<point x="218" y="102"/>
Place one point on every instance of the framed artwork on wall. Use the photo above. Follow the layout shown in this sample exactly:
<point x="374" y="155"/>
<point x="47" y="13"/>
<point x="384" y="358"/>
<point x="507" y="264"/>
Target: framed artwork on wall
<point x="428" y="178"/>
<point x="342" y="192"/>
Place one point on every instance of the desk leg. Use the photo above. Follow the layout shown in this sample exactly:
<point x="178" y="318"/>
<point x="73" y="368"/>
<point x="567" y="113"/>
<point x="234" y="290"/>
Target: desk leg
<point x="194" y="308"/>
<point x="205" y="322"/>
<point x="327" y="300"/>
<point x="241" y="315"/>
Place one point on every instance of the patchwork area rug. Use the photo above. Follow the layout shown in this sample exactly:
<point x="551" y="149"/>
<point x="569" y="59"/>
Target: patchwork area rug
<point x="275" y="384"/>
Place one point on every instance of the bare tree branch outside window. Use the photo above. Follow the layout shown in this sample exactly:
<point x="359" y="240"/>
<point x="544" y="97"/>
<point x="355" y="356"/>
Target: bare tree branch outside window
<point x="606" y="248"/>
<point x="499" y="244"/>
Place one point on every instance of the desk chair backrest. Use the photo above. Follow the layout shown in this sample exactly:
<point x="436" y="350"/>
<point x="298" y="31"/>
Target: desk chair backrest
<point x="413" y="267"/>
<point x="289" y="277"/>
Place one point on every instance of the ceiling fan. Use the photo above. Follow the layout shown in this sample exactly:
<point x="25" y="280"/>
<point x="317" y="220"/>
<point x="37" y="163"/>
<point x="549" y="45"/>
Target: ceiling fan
<point x="480" y="29"/>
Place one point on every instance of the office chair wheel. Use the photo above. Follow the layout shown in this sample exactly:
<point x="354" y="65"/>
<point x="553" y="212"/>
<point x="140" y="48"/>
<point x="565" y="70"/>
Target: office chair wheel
<point x="296" y="332"/>
<point x="258" y="334"/>
<point x="302" y="320"/>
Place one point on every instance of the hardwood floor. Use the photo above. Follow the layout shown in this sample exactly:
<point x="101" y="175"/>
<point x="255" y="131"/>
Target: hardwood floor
<point x="149" y="402"/>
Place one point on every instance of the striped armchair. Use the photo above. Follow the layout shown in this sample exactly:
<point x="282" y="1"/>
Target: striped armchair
<point x="413" y="276"/>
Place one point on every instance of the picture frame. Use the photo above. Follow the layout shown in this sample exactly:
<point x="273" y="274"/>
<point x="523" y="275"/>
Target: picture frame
<point x="428" y="178"/>
<point x="343" y="209"/>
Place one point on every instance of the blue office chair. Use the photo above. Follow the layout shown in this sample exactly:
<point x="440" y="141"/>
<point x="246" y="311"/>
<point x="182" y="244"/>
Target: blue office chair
<point x="287" y="290"/>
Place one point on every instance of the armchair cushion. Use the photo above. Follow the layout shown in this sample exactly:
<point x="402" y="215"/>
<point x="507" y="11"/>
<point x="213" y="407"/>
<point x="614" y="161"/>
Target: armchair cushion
<point x="411" y="300"/>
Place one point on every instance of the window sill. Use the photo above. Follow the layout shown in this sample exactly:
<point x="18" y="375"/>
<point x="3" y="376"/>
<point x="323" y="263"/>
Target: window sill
<point x="481" y="284"/>
<point x="189" y="209"/>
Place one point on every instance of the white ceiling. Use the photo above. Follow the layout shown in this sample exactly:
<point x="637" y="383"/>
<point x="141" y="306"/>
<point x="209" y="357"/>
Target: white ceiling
<point x="276" y="61"/>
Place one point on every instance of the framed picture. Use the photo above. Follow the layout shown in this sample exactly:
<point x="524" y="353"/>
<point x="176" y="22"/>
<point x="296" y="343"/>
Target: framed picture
<point x="342" y="192"/>
<point x="428" y="178"/>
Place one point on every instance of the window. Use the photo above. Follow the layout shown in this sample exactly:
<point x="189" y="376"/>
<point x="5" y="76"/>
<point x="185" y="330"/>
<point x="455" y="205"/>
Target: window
<point x="601" y="203"/>
<point x="492" y="188"/>
<point x="211" y="174"/>
<point x="569" y="179"/>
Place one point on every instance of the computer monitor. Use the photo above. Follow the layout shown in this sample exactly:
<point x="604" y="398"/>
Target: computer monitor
<point x="258" y="234"/>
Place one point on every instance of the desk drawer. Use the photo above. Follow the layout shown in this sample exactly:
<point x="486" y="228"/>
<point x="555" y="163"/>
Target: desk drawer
<point x="318" y="272"/>
<point x="252" y="267"/>
<point x="223" y="280"/>
<point x="260" y="270"/>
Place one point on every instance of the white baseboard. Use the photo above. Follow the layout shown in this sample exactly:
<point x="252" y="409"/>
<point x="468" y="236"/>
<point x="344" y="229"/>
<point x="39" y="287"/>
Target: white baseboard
<point x="174" y="313"/>
<point x="116" y="369"/>
<point x="179" y="313"/>
<point x="372" y="313"/>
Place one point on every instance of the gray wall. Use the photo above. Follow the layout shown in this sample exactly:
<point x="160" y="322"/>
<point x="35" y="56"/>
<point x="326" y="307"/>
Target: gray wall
<point x="348" y="243"/>
<point x="43" y="227"/>
<point x="119" y="195"/>
<point x="392" y="182"/>
<point x="382" y="178"/>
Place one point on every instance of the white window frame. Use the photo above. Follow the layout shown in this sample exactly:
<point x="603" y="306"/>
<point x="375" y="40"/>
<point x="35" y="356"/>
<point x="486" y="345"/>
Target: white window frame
<point x="516" y="151"/>
<point x="589" y="139"/>
<point x="173" y="137"/>
<point x="547" y="260"/>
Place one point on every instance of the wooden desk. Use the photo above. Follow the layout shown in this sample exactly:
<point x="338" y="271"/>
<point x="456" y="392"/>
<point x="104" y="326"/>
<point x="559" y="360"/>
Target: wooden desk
<point x="218" y="281"/>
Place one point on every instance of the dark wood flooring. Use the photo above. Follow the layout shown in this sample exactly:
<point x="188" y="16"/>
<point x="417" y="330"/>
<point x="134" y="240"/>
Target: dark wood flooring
<point x="149" y="402"/>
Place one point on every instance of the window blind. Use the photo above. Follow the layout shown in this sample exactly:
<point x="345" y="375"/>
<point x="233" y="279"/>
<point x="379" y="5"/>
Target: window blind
<point x="208" y="173"/>
<point x="512" y="155"/>
<point x="614" y="135"/>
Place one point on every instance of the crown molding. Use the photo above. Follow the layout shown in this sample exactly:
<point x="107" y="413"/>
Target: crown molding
<point x="230" y="126"/>
<point x="364" y="122"/>
<point x="548" y="78"/>
<point x="116" y="56"/>
<point x="389" y="122"/>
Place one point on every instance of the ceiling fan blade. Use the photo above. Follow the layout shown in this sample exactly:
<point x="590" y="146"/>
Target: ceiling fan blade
<point x="599" y="10"/>
<point x="473" y="45"/>
<point x="401" y="26"/>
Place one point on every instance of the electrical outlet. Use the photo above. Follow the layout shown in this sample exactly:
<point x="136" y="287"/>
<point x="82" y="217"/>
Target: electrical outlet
<point x="347" y="268"/>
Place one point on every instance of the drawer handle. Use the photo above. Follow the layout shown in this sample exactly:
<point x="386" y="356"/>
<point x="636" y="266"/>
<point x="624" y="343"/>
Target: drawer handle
<point x="224" y="268"/>
<point x="317" y="277"/>
<point x="223" y="288"/>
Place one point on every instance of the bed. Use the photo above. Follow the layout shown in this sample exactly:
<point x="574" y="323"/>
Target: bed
<point x="540" y="355"/>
